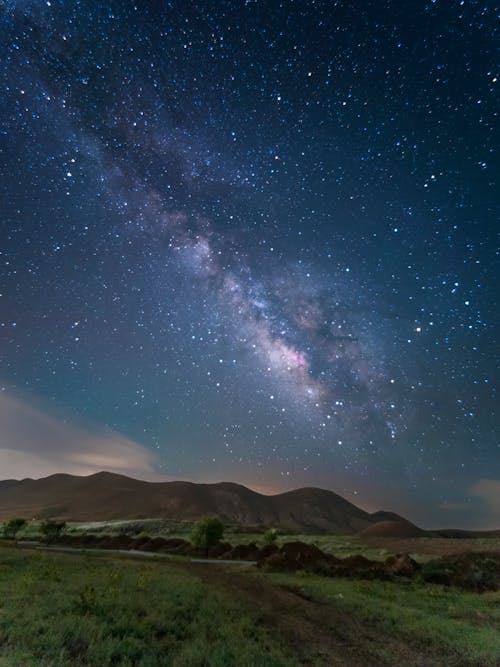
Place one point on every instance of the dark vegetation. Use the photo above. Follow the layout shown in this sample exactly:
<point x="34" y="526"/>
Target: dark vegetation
<point x="472" y="571"/>
<point x="52" y="530"/>
<point x="12" y="527"/>
<point x="207" y="533"/>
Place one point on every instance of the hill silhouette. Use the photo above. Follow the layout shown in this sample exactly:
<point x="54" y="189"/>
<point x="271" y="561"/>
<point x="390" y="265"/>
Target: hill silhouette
<point x="395" y="529"/>
<point x="107" y="496"/>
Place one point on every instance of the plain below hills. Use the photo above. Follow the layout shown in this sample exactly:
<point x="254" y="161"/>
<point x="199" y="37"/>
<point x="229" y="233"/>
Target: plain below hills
<point x="107" y="496"/>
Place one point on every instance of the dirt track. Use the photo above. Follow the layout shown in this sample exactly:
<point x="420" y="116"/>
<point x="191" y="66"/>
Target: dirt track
<point x="317" y="634"/>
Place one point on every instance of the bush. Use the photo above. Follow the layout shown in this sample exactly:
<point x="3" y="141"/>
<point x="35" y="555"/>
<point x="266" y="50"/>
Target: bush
<point x="12" y="527"/>
<point x="143" y="535"/>
<point x="207" y="533"/>
<point x="473" y="571"/>
<point x="51" y="530"/>
<point x="270" y="536"/>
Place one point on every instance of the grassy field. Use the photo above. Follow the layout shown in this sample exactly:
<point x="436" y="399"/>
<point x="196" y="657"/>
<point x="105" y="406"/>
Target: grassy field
<point x="64" y="610"/>
<point x="97" y="610"/>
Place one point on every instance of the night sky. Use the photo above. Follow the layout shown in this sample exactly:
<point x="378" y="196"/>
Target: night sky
<point x="254" y="241"/>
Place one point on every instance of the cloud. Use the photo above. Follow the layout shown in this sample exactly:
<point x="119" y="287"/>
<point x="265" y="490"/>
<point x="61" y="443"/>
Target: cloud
<point x="35" y="443"/>
<point x="488" y="490"/>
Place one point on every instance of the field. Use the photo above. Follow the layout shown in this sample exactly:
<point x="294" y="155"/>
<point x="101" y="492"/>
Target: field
<point x="421" y="548"/>
<point x="65" y="609"/>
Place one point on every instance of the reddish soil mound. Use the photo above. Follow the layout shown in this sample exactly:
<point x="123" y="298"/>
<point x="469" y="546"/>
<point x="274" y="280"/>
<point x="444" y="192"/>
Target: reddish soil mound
<point x="117" y="542"/>
<point x="174" y="543"/>
<point x="155" y="544"/>
<point x="394" y="529"/>
<point x="268" y="550"/>
<point x="301" y="551"/>
<point x="136" y="542"/>
<point x="356" y="561"/>
<point x="243" y="552"/>
<point x="401" y="564"/>
<point x="97" y="541"/>
<point x="220" y="550"/>
<point x="297" y="556"/>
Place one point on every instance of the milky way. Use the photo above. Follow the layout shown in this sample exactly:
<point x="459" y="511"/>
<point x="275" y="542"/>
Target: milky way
<point x="259" y="239"/>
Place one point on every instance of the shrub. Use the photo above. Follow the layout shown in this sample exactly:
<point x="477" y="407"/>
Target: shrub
<point x="471" y="571"/>
<point x="270" y="536"/>
<point x="143" y="535"/>
<point x="12" y="527"/>
<point x="207" y="533"/>
<point x="51" y="530"/>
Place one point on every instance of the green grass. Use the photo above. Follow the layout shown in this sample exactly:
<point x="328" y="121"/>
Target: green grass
<point x="61" y="610"/>
<point x="65" y="610"/>
<point x="447" y="621"/>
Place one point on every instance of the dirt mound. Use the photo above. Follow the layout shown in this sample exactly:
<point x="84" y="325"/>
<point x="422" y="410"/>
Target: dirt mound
<point x="301" y="551"/>
<point x="299" y="556"/>
<point x="393" y="529"/>
<point x="108" y="542"/>
<point x="219" y="550"/>
<point x="268" y="550"/>
<point x="173" y="543"/>
<point x="243" y="552"/>
<point x="401" y="564"/>
<point x="356" y="561"/>
<point x="155" y="544"/>
<point x="477" y="572"/>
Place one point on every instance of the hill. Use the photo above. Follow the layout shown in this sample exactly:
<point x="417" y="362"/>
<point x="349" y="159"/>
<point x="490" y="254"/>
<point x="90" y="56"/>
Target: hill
<point x="381" y="515"/>
<point x="456" y="533"/>
<point x="106" y="496"/>
<point x="394" y="529"/>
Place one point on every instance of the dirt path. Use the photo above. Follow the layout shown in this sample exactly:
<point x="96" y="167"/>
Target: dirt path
<point x="317" y="633"/>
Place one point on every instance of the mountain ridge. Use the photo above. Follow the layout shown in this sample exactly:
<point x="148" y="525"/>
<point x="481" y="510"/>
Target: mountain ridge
<point x="107" y="496"/>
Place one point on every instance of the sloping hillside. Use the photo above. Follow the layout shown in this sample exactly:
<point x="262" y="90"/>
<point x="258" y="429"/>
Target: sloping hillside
<point x="393" y="529"/>
<point x="107" y="496"/>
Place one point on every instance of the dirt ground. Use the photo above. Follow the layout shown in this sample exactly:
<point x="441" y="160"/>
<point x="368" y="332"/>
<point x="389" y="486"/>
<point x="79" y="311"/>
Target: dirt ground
<point x="432" y="546"/>
<point x="318" y="634"/>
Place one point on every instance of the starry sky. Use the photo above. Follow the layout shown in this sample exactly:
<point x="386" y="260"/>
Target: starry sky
<point x="255" y="241"/>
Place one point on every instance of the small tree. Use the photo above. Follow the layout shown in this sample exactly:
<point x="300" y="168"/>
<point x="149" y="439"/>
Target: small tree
<point x="12" y="527"/>
<point x="270" y="536"/>
<point x="207" y="533"/>
<point x="51" y="530"/>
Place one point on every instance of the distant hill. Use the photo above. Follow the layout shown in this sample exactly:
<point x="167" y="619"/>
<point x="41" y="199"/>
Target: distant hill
<point x="386" y="516"/>
<point x="456" y="533"/>
<point x="107" y="496"/>
<point x="395" y="529"/>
